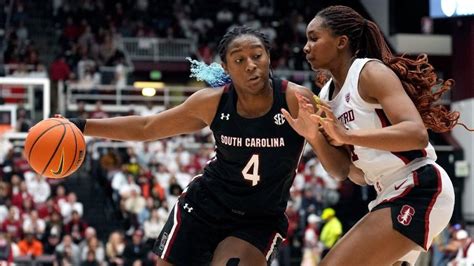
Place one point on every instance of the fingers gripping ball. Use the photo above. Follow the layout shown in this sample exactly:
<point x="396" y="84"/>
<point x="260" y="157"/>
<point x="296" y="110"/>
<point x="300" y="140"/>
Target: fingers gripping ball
<point x="55" y="148"/>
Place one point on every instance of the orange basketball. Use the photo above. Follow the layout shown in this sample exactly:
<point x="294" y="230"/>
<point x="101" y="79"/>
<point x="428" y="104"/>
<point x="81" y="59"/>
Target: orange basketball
<point x="55" y="148"/>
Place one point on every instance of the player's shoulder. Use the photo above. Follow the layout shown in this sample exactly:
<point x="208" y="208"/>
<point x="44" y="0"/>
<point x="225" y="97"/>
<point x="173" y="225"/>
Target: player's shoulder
<point x="375" y="70"/>
<point x="375" y="77"/>
<point x="204" y="103"/>
<point x="208" y="95"/>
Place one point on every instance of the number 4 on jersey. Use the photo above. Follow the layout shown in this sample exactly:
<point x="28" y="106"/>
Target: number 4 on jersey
<point x="250" y="171"/>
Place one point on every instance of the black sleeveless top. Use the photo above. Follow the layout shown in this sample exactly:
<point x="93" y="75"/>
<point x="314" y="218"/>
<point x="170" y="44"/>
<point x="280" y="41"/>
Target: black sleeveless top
<point x="255" y="162"/>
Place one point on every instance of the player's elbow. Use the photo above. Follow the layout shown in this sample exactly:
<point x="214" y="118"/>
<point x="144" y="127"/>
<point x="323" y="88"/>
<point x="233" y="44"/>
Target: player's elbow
<point x="422" y="138"/>
<point x="340" y="174"/>
<point x="146" y="132"/>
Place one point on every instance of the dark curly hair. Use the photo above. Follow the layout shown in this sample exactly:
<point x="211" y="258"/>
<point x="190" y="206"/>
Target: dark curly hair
<point x="416" y="75"/>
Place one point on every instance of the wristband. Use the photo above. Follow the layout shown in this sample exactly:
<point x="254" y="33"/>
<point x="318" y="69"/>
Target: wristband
<point x="79" y="122"/>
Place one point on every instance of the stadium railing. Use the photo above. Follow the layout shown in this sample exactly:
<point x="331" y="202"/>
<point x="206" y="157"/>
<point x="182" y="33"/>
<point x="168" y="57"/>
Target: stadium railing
<point x="157" y="49"/>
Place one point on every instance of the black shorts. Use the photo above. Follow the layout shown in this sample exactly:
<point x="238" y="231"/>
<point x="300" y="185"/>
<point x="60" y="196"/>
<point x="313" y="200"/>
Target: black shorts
<point x="189" y="237"/>
<point x="421" y="203"/>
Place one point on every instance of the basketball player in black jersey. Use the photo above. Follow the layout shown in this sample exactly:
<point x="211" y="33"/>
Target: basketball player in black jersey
<point x="232" y="214"/>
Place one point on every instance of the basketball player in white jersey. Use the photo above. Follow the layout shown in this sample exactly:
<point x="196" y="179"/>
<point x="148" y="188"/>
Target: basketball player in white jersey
<point x="378" y="107"/>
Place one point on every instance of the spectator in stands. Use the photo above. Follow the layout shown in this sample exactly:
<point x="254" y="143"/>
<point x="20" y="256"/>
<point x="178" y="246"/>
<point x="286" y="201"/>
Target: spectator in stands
<point x="60" y="196"/>
<point x="146" y="212"/>
<point x="95" y="247"/>
<point x="51" y="241"/>
<point x="4" y="192"/>
<point x="76" y="227"/>
<point x="12" y="225"/>
<point x="331" y="231"/>
<point x="153" y="225"/>
<point x="54" y="224"/>
<point x="32" y="223"/>
<point x="135" y="249"/>
<point x="135" y="202"/>
<point x="23" y="122"/>
<point x="59" y="71"/>
<point x="47" y="209"/>
<point x="90" y="80"/>
<point x="174" y="191"/>
<point x="98" y="111"/>
<point x="30" y="246"/>
<point x="6" y="252"/>
<point x="68" y="252"/>
<point x="80" y="111"/>
<point x="70" y="206"/>
<point x="127" y="188"/>
<point x="312" y="248"/>
<point x="465" y="253"/>
<point x="162" y="176"/>
<point x="114" y="248"/>
<point x="120" y="77"/>
<point x="129" y="219"/>
<point x="38" y="188"/>
<point x="20" y="193"/>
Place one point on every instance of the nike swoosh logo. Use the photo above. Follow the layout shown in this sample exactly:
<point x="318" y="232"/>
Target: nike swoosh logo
<point x="401" y="184"/>
<point x="61" y="164"/>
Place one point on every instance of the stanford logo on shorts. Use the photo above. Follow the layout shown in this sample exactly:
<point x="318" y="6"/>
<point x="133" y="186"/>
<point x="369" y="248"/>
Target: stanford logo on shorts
<point x="406" y="214"/>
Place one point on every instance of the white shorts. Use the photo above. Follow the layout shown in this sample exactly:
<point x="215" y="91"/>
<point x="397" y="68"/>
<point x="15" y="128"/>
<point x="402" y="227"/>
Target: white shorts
<point x="421" y="203"/>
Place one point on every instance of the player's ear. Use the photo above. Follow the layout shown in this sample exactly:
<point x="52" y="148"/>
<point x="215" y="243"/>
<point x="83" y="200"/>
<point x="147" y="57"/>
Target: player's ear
<point x="342" y="42"/>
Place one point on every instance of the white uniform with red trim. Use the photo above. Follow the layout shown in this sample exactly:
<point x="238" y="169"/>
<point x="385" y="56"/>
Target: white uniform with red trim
<point x="391" y="173"/>
<point x="356" y="113"/>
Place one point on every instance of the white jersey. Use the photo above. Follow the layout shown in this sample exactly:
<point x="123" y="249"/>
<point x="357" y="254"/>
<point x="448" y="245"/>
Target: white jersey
<point x="349" y="107"/>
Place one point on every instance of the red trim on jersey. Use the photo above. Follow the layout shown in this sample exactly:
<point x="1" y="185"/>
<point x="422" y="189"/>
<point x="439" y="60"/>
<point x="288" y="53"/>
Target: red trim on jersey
<point x="383" y="119"/>
<point x="466" y="248"/>
<point x="430" y="207"/>
<point x="423" y="152"/>
<point x="406" y="156"/>
<point x="416" y="180"/>
<point x="175" y="233"/>
<point x="284" y="85"/>
<point x="226" y="87"/>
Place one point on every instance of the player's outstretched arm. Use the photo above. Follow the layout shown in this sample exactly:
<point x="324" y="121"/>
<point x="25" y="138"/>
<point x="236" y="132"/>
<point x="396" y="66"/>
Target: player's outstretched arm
<point x="195" y="113"/>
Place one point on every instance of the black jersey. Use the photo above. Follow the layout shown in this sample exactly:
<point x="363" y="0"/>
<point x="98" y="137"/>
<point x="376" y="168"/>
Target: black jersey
<point x="255" y="162"/>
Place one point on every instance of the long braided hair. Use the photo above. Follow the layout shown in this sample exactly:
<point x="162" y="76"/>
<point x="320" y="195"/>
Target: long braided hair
<point x="416" y="75"/>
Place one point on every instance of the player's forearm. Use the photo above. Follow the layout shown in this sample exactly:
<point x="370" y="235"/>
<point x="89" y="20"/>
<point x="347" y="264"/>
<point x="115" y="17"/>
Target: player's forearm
<point x="117" y="128"/>
<point x="335" y="160"/>
<point x="404" y="136"/>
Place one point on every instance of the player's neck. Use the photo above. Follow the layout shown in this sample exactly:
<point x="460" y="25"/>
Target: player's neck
<point x="339" y="74"/>
<point x="252" y="106"/>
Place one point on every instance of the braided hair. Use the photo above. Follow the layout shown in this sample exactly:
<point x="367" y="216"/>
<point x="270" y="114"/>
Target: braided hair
<point x="239" y="31"/>
<point x="416" y="75"/>
<point x="213" y="74"/>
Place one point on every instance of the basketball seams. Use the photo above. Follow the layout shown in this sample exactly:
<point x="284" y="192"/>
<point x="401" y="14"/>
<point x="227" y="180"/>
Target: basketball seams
<point x="40" y="143"/>
<point x="75" y="150"/>
<point x="56" y="149"/>
<point x="37" y="139"/>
